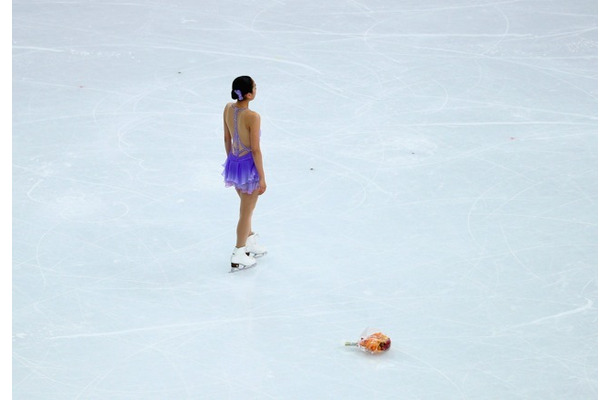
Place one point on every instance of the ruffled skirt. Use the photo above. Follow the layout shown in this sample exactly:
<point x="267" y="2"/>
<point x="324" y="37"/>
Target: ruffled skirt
<point x="241" y="173"/>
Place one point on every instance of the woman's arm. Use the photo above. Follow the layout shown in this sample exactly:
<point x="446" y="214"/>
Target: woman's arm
<point x="227" y="134"/>
<point x="257" y="155"/>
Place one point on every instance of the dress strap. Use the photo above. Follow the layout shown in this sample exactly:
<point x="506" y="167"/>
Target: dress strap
<point x="239" y="149"/>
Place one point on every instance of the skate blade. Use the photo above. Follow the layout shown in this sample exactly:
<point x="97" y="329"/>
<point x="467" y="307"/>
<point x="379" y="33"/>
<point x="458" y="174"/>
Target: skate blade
<point x="256" y="255"/>
<point x="240" y="267"/>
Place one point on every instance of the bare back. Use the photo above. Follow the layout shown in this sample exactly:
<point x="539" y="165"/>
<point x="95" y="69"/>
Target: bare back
<point x="237" y="121"/>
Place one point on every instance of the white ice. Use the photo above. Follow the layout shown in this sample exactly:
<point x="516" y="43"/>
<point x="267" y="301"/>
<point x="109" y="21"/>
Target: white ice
<point x="432" y="172"/>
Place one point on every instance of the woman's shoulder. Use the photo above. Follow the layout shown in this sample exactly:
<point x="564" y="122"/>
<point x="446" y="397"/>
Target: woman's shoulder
<point x="251" y="114"/>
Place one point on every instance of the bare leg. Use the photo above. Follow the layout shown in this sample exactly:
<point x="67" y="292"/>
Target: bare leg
<point x="246" y="209"/>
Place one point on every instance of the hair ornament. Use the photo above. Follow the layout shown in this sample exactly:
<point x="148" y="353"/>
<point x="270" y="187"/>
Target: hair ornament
<point x="238" y="93"/>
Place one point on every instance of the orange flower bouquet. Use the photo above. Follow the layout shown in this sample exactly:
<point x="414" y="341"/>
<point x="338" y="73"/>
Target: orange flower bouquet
<point x="374" y="343"/>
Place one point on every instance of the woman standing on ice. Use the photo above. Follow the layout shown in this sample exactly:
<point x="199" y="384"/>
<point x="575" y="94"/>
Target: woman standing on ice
<point x="243" y="168"/>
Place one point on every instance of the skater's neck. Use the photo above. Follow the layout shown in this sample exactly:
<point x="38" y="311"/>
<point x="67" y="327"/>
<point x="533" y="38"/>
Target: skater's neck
<point x="242" y="103"/>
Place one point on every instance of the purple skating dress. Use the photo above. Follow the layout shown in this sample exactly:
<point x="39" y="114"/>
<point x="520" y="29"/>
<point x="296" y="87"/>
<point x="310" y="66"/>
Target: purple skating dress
<point x="239" y="169"/>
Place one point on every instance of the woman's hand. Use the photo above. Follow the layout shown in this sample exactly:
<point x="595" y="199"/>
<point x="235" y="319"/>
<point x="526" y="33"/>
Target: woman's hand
<point x="262" y="186"/>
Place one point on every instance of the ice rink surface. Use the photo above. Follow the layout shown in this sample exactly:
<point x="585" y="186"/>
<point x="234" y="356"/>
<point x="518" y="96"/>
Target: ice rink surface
<point x="432" y="173"/>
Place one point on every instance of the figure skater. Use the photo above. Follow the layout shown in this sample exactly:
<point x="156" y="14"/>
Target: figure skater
<point x="243" y="168"/>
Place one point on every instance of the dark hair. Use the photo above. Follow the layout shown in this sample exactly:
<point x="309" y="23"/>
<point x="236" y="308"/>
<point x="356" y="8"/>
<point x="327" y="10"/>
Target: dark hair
<point x="244" y="84"/>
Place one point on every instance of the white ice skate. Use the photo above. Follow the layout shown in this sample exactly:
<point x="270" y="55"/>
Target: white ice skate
<point x="240" y="260"/>
<point x="253" y="249"/>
